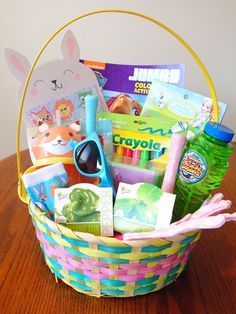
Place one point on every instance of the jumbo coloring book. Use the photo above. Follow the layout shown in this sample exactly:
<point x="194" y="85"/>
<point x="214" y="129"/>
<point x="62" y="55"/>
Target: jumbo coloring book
<point x="132" y="82"/>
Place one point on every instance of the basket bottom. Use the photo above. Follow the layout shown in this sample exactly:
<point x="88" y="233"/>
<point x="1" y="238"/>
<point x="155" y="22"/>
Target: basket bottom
<point x="96" y="289"/>
<point x="102" y="266"/>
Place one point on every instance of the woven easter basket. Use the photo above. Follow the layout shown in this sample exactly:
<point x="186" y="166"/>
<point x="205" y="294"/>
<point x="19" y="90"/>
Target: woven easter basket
<point x="103" y="266"/>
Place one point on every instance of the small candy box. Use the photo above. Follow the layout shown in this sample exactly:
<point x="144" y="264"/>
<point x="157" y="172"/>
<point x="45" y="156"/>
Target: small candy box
<point x="85" y="207"/>
<point x="142" y="207"/>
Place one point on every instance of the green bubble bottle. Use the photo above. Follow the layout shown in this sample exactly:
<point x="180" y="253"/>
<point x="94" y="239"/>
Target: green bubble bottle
<point x="202" y="168"/>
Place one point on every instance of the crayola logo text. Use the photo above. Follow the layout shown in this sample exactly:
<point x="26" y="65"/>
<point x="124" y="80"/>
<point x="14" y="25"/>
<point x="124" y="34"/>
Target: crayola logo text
<point x="136" y="143"/>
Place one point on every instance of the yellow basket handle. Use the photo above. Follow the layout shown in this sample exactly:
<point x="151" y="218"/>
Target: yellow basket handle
<point x="21" y="190"/>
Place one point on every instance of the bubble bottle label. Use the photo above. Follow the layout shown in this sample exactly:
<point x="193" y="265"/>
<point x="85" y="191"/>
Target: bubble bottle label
<point x="193" y="167"/>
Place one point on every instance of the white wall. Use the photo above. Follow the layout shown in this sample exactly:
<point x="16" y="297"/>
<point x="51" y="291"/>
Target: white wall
<point x="209" y="26"/>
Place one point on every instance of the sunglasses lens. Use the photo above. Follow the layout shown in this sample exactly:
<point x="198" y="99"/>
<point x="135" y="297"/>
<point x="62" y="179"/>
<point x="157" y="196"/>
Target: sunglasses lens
<point x="88" y="158"/>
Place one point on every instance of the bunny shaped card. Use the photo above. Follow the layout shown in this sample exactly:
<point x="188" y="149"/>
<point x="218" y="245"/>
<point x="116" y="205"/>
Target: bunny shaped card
<point x="55" y="87"/>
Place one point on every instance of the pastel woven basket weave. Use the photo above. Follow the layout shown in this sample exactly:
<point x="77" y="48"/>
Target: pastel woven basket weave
<point x="102" y="266"/>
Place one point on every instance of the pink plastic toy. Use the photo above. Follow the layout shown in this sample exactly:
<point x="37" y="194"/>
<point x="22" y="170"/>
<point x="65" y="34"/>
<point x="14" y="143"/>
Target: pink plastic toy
<point x="204" y="218"/>
<point x="176" y="146"/>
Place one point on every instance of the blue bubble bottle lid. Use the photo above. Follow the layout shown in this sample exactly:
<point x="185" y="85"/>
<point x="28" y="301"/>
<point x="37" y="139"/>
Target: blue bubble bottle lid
<point x="219" y="131"/>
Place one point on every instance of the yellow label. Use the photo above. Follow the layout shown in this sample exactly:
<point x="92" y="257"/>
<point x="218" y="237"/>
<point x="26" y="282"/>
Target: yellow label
<point x="139" y="141"/>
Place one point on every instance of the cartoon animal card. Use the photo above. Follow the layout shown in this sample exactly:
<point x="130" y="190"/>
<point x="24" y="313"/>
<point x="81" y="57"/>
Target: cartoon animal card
<point x="56" y="85"/>
<point x="54" y="98"/>
<point x="52" y="141"/>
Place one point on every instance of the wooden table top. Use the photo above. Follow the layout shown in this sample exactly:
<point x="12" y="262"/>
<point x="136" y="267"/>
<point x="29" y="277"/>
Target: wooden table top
<point x="208" y="285"/>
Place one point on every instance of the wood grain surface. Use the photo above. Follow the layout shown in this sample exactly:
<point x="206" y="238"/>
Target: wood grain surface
<point x="208" y="285"/>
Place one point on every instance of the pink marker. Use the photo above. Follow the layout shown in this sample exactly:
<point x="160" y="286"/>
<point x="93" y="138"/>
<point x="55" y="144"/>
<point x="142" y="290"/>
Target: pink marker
<point x="176" y="147"/>
<point x="136" y="157"/>
<point x="136" y="154"/>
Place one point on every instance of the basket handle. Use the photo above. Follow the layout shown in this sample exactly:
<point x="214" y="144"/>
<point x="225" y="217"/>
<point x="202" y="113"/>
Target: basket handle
<point x="21" y="190"/>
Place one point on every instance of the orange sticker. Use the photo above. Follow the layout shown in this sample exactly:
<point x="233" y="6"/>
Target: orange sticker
<point x="95" y="64"/>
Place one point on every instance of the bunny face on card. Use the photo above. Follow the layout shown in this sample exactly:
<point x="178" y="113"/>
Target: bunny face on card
<point x="55" y="84"/>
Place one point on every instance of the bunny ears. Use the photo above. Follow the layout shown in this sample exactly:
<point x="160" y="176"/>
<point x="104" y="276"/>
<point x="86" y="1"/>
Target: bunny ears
<point x="17" y="63"/>
<point x="69" y="47"/>
<point x="20" y="66"/>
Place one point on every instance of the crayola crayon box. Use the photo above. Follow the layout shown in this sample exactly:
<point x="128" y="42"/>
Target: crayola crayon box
<point x="141" y="148"/>
<point x="140" y="134"/>
<point x="131" y="171"/>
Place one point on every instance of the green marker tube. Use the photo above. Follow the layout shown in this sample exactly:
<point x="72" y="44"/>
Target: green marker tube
<point x="145" y="155"/>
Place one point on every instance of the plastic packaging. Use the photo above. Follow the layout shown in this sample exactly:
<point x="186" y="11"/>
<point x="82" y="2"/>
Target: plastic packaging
<point x="176" y="146"/>
<point x="202" y="168"/>
<point x="85" y="207"/>
<point x="41" y="183"/>
<point x="142" y="207"/>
